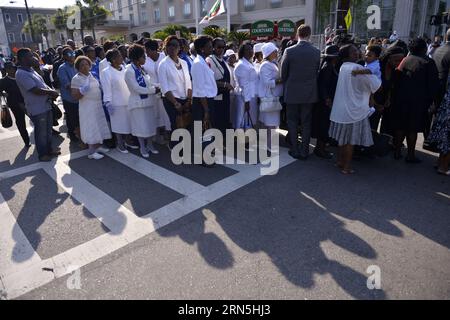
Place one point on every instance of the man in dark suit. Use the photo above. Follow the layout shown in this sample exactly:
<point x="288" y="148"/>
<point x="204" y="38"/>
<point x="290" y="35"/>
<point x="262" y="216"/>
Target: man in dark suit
<point x="442" y="59"/>
<point x="299" y="71"/>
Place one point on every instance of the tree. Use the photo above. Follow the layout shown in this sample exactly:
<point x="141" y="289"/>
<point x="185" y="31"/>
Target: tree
<point x="59" y="19"/>
<point x="39" y="24"/>
<point x="239" y="37"/>
<point x="92" y="14"/>
<point x="215" y="32"/>
<point x="171" y="30"/>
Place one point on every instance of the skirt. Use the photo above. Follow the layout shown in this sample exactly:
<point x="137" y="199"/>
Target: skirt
<point x="143" y="122"/>
<point x="356" y="134"/>
<point x="120" y="120"/>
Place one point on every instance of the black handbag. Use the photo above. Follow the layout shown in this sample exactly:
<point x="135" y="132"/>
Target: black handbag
<point x="6" y="118"/>
<point x="57" y="114"/>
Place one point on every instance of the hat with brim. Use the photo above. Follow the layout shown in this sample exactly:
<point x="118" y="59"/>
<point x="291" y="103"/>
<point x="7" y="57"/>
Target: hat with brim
<point x="331" y="52"/>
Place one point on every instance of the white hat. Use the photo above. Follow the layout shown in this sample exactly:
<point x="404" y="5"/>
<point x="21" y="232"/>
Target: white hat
<point x="192" y="46"/>
<point x="268" y="49"/>
<point x="258" y="47"/>
<point x="229" y="52"/>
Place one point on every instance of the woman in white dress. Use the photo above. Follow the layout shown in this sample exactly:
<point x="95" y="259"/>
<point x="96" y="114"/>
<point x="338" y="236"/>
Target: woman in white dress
<point x="246" y="78"/>
<point x="142" y="101"/>
<point x="93" y="126"/>
<point x="115" y="97"/>
<point x="270" y="86"/>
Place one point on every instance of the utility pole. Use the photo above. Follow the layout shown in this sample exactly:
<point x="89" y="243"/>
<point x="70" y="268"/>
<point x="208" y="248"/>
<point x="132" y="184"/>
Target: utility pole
<point x="30" y="22"/>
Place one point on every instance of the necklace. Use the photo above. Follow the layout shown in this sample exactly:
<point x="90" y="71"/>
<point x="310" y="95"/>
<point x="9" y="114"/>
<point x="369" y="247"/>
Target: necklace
<point x="177" y="64"/>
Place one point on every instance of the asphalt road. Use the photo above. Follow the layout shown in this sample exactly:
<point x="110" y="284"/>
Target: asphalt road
<point x="146" y="229"/>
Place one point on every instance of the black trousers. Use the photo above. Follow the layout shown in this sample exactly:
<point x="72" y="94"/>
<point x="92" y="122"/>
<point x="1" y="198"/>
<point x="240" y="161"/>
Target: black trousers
<point x="72" y="117"/>
<point x="19" y="115"/>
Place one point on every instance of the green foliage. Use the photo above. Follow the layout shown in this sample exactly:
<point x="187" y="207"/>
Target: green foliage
<point x="171" y="30"/>
<point x="238" y="37"/>
<point x="215" y="32"/>
<point x="39" y="23"/>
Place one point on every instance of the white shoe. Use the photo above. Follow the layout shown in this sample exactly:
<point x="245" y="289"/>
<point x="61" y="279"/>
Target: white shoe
<point x="96" y="156"/>
<point x="102" y="150"/>
<point x="131" y="147"/>
<point x="152" y="149"/>
<point x="122" y="150"/>
<point x="145" y="154"/>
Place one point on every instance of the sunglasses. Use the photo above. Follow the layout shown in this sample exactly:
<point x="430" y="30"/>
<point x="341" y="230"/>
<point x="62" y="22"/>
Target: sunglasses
<point x="70" y="54"/>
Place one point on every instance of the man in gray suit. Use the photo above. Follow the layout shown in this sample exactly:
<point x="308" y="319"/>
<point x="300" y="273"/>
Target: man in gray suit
<point x="299" y="71"/>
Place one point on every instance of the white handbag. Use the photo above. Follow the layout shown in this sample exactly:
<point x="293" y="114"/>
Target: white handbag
<point x="270" y="104"/>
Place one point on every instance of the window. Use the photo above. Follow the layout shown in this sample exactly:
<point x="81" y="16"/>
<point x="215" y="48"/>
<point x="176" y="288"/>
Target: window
<point x="157" y="14"/>
<point x="119" y="7"/>
<point x="130" y="3"/>
<point x="171" y="12"/>
<point x="7" y="17"/>
<point x="144" y="17"/>
<point x="20" y="18"/>
<point x="11" y="37"/>
<point x="132" y="18"/>
<point x="23" y="36"/>
<point x="249" y="4"/>
<point x="111" y="6"/>
<point x="203" y="8"/>
<point x="276" y="3"/>
<point x="187" y="9"/>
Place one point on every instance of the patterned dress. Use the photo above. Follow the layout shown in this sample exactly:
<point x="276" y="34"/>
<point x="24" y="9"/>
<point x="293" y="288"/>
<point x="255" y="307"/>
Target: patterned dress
<point x="440" y="134"/>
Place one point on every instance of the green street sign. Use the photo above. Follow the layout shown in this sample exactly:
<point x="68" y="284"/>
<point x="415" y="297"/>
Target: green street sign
<point x="263" y="28"/>
<point x="286" y="28"/>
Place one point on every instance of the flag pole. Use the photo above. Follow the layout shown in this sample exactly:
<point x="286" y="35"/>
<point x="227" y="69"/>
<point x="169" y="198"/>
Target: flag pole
<point x="196" y="16"/>
<point x="228" y="16"/>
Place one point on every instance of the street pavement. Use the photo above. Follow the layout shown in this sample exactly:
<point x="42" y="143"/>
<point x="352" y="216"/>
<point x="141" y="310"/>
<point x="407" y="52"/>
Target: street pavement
<point x="134" y="228"/>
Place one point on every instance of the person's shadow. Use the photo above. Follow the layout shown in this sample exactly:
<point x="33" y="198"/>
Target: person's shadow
<point x="41" y="200"/>
<point x="213" y="250"/>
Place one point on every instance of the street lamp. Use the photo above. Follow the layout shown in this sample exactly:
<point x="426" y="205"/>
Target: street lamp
<point x="29" y="19"/>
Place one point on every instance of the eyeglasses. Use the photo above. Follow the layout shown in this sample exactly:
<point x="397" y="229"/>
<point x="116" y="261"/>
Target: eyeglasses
<point x="70" y="54"/>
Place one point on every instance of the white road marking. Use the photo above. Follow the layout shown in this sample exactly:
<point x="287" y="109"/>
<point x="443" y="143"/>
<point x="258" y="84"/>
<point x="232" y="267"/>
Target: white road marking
<point x="166" y="177"/>
<point x="125" y="226"/>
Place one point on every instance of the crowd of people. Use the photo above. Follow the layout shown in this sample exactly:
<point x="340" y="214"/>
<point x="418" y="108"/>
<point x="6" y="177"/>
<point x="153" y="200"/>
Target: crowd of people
<point x="130" y="96"/>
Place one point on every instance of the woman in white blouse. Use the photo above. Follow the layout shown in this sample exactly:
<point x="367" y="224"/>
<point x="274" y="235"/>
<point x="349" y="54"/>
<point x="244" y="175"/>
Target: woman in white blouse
<point x="204" y="88"/>
<point x="93" y="126"/>
<point x="115" y="97"/>
<point x="246" y="78"/>
<point x="142" y="101"/>
<point x="270" y="86"/>
<point x="175" y="80"/>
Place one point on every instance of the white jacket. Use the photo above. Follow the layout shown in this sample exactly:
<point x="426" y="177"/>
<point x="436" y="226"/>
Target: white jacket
<point x="115" y="89"/>
<point x="267" y="87"/>
<point x="246" y="79"/>
<point x="136" y="90"/>
<point x="169" y="77"/>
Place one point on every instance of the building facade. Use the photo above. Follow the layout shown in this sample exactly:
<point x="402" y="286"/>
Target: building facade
<point x="409" y="18"/>
<point x="12" y="37"/>
<point x="133" y="17"/>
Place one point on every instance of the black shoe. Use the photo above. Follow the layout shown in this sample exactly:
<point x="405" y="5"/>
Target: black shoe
<point x="413" y="160"/>
<point x="45" y="158"/>
<point x="323" y="154"/>
<point x="74" y="139"/>
<point x="297" y="155"/>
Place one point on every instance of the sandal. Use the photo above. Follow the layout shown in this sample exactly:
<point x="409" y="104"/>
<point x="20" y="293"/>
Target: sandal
<point x="348" y="172"/>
